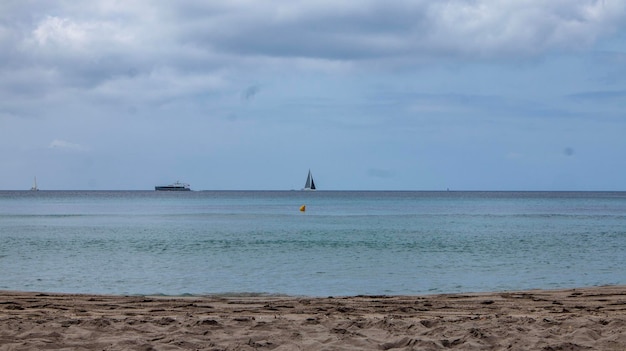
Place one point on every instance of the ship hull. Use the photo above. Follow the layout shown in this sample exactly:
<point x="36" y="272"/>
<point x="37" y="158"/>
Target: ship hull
<point x="171" y="188"/>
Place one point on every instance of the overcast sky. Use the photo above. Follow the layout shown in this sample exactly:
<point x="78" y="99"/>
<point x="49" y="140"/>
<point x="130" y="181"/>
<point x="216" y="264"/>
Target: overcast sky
<point x="369" y="95"/>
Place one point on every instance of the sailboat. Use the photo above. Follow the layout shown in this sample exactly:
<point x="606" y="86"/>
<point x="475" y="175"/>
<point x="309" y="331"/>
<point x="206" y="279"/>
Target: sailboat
<point x="34" y="187"/>
<point x="310" y="184"/>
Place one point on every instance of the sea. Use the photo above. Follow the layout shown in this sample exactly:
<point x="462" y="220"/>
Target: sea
<point x="345" y="242"/>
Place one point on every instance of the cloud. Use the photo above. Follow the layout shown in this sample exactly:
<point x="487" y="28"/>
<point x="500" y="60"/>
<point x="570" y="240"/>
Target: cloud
<point x="109" y="48"/>
<point x="356" y="30"/>
<point x="54" y="30"/>
<point x="66" y="146"/>
<point x="618" y="95"/>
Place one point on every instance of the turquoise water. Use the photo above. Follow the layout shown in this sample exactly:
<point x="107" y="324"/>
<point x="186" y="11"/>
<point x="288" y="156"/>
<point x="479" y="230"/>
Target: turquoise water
<point x="346" y="243"/>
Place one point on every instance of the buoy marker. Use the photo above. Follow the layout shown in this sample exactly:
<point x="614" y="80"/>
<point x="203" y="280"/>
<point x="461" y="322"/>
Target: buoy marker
<point x="302" y="208"/>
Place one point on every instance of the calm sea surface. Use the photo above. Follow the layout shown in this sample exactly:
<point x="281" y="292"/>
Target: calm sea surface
<point x="346" y="243"/>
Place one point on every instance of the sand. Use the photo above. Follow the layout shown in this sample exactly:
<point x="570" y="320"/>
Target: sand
<point x="575" y="319"/>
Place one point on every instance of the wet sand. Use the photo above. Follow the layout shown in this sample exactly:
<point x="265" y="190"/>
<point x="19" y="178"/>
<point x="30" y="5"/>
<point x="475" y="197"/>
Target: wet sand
<point x="574" y="319"/>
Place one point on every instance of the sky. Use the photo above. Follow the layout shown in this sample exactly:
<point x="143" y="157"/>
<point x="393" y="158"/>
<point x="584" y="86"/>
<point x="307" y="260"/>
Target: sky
<point x="367" y="94"/>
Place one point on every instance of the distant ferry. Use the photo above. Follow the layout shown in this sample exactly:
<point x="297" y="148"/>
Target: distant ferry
<point x="178" y="186"/>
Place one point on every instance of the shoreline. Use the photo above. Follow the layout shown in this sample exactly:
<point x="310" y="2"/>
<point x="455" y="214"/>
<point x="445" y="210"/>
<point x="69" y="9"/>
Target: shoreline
<point x="261" y="295"/>
<point x="588" y="318"/>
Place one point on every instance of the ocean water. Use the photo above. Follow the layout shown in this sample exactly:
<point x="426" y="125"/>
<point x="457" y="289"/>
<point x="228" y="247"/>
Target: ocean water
<point x="345" y="243"/>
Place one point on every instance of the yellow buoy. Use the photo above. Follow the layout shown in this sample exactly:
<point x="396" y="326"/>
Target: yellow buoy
<point x="303" y="208"/>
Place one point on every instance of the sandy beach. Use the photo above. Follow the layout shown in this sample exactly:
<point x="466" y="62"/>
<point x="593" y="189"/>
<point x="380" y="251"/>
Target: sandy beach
<point x="574" y="319"/>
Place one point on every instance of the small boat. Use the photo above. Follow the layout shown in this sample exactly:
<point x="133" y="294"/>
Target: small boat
<point x="178" y="186"/>
<point x="310" y="184"/>
<point x="34" y="187"/>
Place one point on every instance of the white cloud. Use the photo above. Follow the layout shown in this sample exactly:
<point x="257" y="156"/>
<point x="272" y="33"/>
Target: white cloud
<point x="494" y="28"/>
<point x="66" y="146"/>
<point x="58" y="30"/>
<point x="75" y="34"/>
